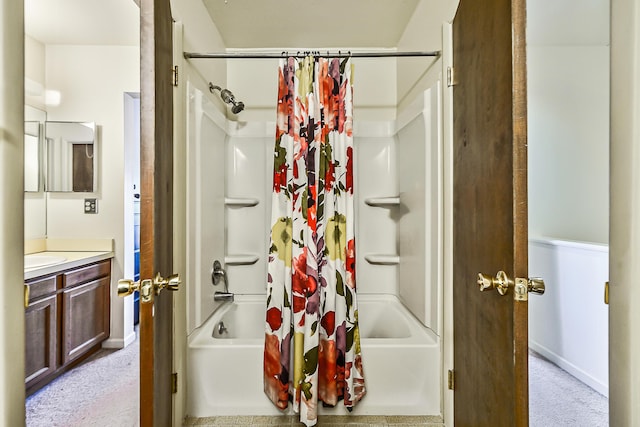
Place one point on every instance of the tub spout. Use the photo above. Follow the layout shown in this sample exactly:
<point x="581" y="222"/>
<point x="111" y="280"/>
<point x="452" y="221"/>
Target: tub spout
<point x="223" y="296"/>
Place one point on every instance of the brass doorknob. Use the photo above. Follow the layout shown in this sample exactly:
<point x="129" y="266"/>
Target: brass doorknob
<point x="501" y="282"/>
<point x="148" y="287"/>
<point x="127" y="287"/>
<point x="536" y="285"/>
<point x="171" y="283"/>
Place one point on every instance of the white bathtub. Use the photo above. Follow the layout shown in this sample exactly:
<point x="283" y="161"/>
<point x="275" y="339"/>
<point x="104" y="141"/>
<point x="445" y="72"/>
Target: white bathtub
<point x="401" y="360"/>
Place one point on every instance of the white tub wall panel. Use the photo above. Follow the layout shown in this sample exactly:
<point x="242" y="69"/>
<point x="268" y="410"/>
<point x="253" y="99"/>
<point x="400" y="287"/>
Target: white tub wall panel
<point x="418" y="155"/>
<point x="569" y="323"/>
<point x="205" y="202"/>
<point x="246" y="172"/>
<point x="376" y="227"/>
<point x="246" y="167"/>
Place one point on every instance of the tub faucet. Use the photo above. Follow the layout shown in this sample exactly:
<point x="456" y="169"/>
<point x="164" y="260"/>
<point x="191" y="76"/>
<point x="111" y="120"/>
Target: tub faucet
<point x="218" y="273"/>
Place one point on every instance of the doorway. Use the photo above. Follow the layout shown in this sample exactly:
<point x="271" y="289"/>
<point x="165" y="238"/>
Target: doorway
<point x="568" y="120"/>
<point x="132" y="193"/>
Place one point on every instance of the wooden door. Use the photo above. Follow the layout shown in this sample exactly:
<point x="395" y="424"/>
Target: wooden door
<point x="490" y="212"/>
<point x="156" y="224"/>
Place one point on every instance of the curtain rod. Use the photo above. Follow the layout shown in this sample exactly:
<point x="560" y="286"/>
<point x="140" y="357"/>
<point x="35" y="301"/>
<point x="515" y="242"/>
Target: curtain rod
<point x="302" y="54"/>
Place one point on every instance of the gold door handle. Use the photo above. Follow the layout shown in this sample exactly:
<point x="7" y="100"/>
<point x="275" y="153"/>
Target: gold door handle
<point x="172" y="283"/>
<point x="521" y="287"/>
<point x="501" y="282"/>
<point x="535" y="285"/>
<point x="148" y="287"/>
<point x="27" y="292"/>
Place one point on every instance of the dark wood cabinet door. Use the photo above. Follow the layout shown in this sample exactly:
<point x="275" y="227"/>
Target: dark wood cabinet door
<point x="41" y="340"/>
<point x="85" y="317"/>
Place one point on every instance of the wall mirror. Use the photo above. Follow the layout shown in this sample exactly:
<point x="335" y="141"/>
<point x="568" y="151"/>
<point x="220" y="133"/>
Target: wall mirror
<point x="32" y="156"/>
<point x="71" y="156"/>
<point x="35" y="202"/>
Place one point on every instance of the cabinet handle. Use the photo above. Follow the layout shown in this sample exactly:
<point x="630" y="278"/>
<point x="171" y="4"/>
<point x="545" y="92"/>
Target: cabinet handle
<point x="26" y="295"/>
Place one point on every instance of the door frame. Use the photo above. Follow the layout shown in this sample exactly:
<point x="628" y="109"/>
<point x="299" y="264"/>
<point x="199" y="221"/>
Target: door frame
<point x="447" y="216"/>
<point x="180" y="225"/>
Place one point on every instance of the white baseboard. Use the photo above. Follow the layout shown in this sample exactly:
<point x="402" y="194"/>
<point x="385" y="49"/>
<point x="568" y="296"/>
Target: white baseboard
<point x="119" y="342"/>
<point x="578" y="373"/>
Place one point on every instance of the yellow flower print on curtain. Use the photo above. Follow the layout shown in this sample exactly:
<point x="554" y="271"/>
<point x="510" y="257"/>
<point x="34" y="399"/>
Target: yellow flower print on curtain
<point x="312" y="340"/>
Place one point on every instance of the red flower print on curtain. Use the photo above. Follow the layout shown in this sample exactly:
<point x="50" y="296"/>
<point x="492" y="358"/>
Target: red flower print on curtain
<point x="312" y="341"/>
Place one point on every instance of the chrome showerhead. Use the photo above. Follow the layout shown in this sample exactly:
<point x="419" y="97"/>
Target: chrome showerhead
<point x="227" y="96"/>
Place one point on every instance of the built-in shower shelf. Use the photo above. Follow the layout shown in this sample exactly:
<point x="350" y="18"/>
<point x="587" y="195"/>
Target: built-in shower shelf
<point x="249" y="259"/>
<point x="381" y="259"/>
<point x="382" y="201"/>
<point x="240" y="202"/>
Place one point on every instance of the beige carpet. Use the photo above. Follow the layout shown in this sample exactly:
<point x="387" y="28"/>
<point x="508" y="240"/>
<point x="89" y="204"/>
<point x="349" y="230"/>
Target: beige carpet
<point x="101" y="392"/>
<point x="556" y="398"/>
<point x="104" y="392"/>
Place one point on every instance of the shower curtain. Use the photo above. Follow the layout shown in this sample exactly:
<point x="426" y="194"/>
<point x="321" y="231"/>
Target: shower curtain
<point x="312" y="342"/>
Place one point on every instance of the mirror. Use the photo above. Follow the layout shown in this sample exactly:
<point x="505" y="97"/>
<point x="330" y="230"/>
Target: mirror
<point x="35" y="203"/>
<point x="32" y="155"/>
<point x="71" y="156"/>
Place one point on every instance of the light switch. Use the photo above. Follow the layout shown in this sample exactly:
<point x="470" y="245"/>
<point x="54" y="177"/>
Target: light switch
<point x="91" y="206"/>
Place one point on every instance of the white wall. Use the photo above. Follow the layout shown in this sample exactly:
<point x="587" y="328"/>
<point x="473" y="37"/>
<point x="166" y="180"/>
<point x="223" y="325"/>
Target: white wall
<point x="35" y="221"/>
<point x="568" y="167"/>
<point x="568" y="72"/>
<point x="423" y="33"/>
<point x="569" y="323"/>
<point x="92" y="81"/>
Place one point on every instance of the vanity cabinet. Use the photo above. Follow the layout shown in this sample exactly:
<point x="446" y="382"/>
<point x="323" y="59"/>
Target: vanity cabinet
<point x="66" y="320"/>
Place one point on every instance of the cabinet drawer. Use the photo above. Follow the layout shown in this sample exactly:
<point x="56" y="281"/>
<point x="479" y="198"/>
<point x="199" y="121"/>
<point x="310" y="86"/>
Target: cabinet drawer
<point x="84" y="274"/>
<point x="41" y="287"/>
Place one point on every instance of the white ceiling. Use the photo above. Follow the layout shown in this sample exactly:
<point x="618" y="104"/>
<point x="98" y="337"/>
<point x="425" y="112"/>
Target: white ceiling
<point x="273" y="23"/>
<point x="84" y="22"/>
<point x="310" y="23"/>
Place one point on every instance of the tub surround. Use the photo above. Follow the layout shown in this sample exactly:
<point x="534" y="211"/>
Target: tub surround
<point x="402" y="356"/>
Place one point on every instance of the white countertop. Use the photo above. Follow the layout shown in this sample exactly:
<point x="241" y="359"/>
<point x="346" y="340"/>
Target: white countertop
<point x="72" y="259"/>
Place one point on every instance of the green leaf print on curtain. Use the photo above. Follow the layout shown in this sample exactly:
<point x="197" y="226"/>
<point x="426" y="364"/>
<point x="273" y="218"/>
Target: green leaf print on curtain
<point x="312" y="340"/>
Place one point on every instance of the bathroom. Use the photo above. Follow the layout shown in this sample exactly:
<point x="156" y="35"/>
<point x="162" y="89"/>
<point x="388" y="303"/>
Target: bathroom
<point x="231" y="76"/>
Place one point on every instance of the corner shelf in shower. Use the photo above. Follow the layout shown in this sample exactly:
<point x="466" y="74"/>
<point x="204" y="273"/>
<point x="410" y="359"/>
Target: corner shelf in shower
<point x="380" y="259"/>
<point x="240" y="202"/>
<point x="247" y="259"/>
<point x="382" y="201"/>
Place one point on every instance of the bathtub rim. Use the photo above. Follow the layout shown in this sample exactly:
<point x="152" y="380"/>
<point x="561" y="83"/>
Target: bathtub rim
<point x="420" y="335"/>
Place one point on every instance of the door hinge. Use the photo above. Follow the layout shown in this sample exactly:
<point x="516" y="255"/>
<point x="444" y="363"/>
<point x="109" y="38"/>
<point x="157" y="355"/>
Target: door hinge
<point x="451" y="380"/>
<point x="451" y="77"/>
<point x="174" y="382"/>
<point x="174" y="75"/>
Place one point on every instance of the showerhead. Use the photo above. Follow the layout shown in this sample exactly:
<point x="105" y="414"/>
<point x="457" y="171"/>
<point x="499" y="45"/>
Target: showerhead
<point x="227" y="97"/>
<point x="237" y="107"/>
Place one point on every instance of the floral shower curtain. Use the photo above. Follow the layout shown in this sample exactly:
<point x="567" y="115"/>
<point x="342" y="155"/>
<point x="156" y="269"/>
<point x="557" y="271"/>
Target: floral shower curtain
<point x="312" y="341"/>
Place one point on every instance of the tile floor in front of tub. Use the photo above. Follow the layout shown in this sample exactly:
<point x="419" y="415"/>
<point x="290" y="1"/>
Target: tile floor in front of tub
<point x="323" y="420"/>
